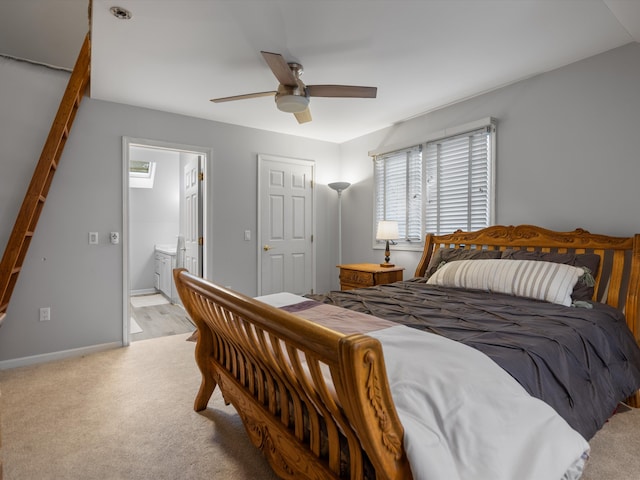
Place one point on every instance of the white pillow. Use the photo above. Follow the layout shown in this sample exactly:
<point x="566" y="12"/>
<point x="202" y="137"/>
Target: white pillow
<point x="552" y="282"/>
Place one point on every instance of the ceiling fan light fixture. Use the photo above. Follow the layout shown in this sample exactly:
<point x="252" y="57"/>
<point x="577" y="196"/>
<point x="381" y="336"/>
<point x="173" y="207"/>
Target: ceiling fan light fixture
<point x="292" y="103"/>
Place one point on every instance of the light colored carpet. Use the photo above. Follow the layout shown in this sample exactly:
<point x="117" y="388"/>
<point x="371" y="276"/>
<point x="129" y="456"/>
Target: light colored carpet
<point x="127" y="414"/>
<point x="148" y="300"/>
<point x="615" y="449"/>
<point x="133" y="326"/>
<point x="123" y="414"/>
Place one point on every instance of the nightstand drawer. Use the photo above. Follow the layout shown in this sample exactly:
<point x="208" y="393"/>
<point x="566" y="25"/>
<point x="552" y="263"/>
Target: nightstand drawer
<point x="362" y="275"/>
<point x="359" y="278"/>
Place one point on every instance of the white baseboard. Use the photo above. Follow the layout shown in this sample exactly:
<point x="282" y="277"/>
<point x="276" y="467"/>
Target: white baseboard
<point x="144" y="291"/>
<point x="49" y="357"/>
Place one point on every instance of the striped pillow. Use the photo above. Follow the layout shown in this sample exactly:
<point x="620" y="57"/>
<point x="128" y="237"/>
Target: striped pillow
<point x="552" y="282"/>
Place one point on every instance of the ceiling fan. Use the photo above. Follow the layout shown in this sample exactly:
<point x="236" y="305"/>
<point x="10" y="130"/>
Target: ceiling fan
<point x="293" y="95"/>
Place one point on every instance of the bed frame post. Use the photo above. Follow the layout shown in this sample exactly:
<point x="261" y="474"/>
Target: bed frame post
<point x="632" y="306"/>
<point x="427" y="252"/>
<point x="370" y="405"/>
<point x="204" y="345"/>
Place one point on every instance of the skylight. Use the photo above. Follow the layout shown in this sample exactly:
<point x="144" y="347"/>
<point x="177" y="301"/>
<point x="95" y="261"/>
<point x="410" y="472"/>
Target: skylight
<point x="141" y="174"/>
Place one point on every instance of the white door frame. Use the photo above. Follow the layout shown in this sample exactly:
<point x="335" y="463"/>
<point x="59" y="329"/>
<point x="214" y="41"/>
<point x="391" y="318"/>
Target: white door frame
<point x="128" y="142"/>
<point x="294" y="161"/>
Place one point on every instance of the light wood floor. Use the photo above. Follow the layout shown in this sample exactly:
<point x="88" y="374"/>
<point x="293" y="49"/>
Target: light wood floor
<point x="161" y="321"/>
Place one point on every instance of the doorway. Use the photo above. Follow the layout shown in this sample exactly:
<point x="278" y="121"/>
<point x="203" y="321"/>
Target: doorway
<point x="164" y="211"/>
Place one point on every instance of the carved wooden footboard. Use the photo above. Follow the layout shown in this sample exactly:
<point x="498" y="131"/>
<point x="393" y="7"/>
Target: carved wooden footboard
<point x="314" y="401"/>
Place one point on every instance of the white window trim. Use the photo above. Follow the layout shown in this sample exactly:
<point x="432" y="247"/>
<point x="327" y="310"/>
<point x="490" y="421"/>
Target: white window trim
<point x="432" y="137"/>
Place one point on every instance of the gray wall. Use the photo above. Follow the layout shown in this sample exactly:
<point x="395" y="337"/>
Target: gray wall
<point x="568" y="152"/>
<point x="568" y="144"/>
<point x="82" y="283"/>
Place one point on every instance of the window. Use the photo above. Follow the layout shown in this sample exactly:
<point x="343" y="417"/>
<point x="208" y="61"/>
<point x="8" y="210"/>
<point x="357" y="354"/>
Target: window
<point x="141" y="174"/>
<point x="438" y="186"/>
<point x="399" y="183"/>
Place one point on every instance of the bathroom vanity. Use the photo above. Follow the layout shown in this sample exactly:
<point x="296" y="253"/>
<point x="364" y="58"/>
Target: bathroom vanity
<point x="165" y="262"/>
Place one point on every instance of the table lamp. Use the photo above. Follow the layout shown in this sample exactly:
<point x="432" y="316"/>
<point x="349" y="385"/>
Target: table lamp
<point x="387" y="230"/>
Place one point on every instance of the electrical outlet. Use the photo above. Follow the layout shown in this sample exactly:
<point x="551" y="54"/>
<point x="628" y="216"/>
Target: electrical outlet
<point x="115" y="237"/>
<point x="45" y="314"/>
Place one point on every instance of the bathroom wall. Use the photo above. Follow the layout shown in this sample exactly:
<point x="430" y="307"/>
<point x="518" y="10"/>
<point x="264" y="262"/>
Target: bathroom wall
<point x="154" y="215"/>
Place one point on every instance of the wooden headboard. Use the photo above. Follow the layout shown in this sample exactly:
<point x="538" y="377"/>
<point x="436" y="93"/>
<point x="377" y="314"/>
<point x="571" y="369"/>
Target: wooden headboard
<point x="618" y="276"/>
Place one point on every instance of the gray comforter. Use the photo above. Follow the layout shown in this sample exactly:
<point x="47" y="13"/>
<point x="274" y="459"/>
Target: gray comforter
<point x="581" y="361"/>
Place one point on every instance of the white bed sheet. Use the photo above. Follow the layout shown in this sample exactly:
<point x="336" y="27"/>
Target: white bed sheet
<point x="465" y="418"/>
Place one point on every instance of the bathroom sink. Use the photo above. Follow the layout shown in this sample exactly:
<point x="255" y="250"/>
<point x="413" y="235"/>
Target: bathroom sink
<point x="168" y="249"/>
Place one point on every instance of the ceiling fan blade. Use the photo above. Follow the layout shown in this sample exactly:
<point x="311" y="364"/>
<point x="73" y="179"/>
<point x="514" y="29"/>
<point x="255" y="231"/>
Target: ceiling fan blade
<point x="242" y="97"/>
<point x="304" y="116"/>
<point x="341" y="91"/>
<point x="280" y="68"/>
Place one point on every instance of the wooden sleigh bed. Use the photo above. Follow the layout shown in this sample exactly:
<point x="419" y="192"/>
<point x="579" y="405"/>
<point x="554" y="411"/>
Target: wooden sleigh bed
<point x="316" y="400"/>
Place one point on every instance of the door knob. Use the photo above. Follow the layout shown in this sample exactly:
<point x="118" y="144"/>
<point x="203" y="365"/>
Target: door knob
<point x="267" y="248"/>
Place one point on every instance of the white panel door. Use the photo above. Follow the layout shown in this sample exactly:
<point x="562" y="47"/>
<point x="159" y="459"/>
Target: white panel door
<point x="286" y="225"/>
<point x="193" y="242"/>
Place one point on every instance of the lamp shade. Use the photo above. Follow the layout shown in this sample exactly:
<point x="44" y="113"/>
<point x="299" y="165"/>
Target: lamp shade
<point x="339" y="186"/>
<point x="387" y="230"/>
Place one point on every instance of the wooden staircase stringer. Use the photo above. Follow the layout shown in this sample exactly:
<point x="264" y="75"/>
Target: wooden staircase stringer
<point x="27" y="219"/>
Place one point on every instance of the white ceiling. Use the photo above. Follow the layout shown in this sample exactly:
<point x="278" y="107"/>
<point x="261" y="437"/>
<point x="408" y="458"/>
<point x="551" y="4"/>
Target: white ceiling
<point x="175" y="55"/>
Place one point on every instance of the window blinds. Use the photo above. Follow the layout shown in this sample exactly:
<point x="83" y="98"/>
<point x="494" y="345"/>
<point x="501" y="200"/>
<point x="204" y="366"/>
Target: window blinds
<point x="439" y="186"/>
<point x="398" y="177"/>
<point x="458" y="183"/>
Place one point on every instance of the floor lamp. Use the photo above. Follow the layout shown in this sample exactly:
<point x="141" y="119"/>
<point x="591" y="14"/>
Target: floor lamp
<point x="339" y="187"/>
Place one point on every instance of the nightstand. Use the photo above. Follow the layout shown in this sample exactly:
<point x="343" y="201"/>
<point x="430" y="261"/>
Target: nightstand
<point x="361" y="275"/>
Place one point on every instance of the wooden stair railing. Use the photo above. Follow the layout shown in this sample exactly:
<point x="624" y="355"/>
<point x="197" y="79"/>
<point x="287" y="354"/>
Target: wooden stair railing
<point x="24" y="227"/>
